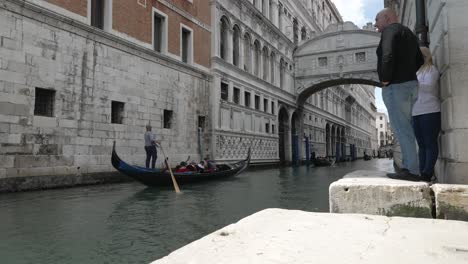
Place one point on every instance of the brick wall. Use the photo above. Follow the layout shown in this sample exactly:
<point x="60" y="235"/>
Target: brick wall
<point x="79" y="7"/>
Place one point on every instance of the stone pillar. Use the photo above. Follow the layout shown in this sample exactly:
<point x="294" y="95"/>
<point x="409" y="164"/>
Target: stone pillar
<point x="241" y="51"/>
<point x="230" y="92"/>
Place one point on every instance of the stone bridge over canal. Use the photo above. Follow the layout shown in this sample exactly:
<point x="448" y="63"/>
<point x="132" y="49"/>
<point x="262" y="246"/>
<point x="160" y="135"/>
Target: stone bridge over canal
<point x="342" y="54"/>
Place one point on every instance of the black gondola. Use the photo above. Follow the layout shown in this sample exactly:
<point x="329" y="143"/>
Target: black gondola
<point x="158" y="177"/>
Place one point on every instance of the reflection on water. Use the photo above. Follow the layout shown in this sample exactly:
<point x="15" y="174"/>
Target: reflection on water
<point x="129" y="223"/>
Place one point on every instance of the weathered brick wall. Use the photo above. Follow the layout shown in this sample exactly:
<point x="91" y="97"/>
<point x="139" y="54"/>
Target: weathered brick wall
<point x="87" y="71"/>
<point x="79" y="7"/>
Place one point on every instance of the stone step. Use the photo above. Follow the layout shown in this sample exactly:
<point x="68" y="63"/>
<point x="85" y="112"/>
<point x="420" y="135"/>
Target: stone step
<point x="293" y="237"/>
<point x="372" y="192"/>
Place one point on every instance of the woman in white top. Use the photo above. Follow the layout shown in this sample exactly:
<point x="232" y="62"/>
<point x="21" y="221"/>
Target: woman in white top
<point x="426" y="116"/>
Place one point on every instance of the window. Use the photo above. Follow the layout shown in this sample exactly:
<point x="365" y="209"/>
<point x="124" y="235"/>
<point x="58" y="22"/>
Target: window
<point x="265" y="105"/>
<point x="186" y="45"/>
<point x="117" y="112"/>
<point x="168" y="118"/>
<point x="223" y="38"/>
<point x="201" y="122"/>
<point x="97" y="13"/>
<point x="247" y="99"/>
<point x="159" y="32"/>
<point x="267" y="128"/>
<point x="236" y="44"/>
<point x="236" y="97"/>
<point x="44" y="102"/>
<point x="272" y="129"/>
<point x="323" y="61"/>
<point x="360" y="57"/>
<point x="247" y="53"/>
<point x="266" y="63"/>
<point x="381" y="117"/>
<point x="224" y="91"/>
<point x="257" y="58"/>
<point x="303" y="33"/>
<point x="272" y="67"/>
<point x="282" y="71"/>
<point x="257" y="102"/>
<point x="381" y="125"/>
<point x="273" y="107"/>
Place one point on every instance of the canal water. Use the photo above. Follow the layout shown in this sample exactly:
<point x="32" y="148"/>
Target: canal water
<point x="129" y="223"/>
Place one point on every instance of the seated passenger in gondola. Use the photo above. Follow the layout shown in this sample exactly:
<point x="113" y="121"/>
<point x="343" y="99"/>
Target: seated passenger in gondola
<point x="201" y="167"/>
<point x="192" y="166"/>
<point x="210" y="165"/>
<point x="182" y="167"/>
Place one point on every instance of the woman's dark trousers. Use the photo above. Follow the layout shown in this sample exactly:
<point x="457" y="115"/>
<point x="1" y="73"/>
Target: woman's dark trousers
<point x="151" y="153"/>
<point x="426" y="129"/>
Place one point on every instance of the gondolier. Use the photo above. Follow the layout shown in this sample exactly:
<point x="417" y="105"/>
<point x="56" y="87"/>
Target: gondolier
<point x="150" y="147"/>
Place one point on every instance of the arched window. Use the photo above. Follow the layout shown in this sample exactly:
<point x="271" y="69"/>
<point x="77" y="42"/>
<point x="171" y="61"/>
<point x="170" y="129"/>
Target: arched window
<point x="303" y="33"/>
<point x="223" y="38"/>
<point x="266" y="63"/>
<point x="272" y="67"/>
<point x="296" y="31"/>
<point x="282" y="69"/>
<point x="236" y="45"/>
<point x="247" y="53"/>
<point x="272" y="10"/>
<point x="257" y="58"/>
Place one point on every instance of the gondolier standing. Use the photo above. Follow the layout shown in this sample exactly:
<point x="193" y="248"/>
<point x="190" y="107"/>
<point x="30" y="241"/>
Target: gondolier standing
<point x="150" y="147"/>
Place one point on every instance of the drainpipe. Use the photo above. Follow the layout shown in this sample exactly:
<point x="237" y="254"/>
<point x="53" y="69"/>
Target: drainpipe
<point x="421" y="27"/>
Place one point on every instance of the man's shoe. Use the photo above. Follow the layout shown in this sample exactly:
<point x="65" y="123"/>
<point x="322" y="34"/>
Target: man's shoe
<point x="405" y="175"/>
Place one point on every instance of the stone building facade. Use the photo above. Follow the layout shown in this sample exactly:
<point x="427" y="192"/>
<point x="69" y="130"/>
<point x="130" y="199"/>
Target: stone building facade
<point x="255" y="92"/>
<point x="384" y="134"/>
<point x="447" y="25"/>
<point x="71" y="83"/>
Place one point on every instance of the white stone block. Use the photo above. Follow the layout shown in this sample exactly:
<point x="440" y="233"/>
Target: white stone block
<point x="7" y="161"/>
<point x="371" y="192"/>
<point x="456" y="172"/>
<point x="43" y="121"/>
<point x="453" y="147"/>
<point x="451" y="201"/>
<point x="297" y="237"/>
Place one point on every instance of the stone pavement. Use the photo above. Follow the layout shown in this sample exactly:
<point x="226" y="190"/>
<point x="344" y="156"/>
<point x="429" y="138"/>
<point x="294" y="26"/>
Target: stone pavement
<point x="284" y="236"/>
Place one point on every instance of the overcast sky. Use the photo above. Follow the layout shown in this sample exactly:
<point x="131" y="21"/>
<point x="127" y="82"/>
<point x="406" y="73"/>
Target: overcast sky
<point x="360" y="12"/>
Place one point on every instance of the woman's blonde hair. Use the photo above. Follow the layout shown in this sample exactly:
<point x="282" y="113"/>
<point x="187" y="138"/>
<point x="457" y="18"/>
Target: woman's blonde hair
<point x="427" y="59"/>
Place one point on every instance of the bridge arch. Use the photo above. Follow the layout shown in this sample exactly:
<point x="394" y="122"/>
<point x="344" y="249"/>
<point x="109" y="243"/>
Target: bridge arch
<point x="342" y="54"/>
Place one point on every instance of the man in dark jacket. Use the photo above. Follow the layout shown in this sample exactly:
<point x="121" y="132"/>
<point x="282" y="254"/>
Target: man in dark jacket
<point x="399" y="58"/>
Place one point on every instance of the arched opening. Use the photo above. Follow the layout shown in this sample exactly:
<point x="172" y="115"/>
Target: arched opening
<point x="223" y="38"/>
<point x="247" y="53"/>
<point x="236" y="45"/>
<point x="283" y="128"/>
<point x="303" y="33"/>
<point x="272" y="67"/>
<point x="282" y="69"/>
<point x="266" y="63"/>
<point x="257" y="58"/>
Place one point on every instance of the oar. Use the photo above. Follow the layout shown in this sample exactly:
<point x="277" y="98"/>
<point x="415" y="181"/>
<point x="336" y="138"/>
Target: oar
<point x="174" y="182"/>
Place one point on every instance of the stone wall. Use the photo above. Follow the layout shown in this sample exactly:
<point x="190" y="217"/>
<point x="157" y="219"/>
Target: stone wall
<point x="87" y="69"/>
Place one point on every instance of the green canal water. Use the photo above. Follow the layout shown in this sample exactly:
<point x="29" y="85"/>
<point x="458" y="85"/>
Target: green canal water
<point x="129" y="223"/>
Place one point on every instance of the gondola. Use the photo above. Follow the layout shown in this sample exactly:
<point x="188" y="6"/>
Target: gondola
<point x="158" y="177"/>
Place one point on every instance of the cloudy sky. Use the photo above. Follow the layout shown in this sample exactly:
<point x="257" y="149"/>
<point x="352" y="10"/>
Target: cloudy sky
<point x="360" y="12"/>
